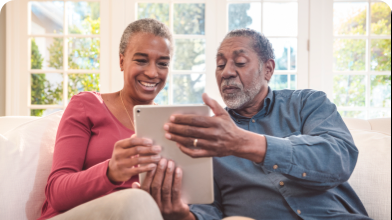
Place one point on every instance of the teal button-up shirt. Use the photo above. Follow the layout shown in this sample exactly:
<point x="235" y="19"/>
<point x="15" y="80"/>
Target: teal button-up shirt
<point x="310" y="157"/>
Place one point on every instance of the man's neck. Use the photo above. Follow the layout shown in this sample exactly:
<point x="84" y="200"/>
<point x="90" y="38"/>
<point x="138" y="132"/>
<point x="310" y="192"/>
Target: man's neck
<point x="254" y="106"/>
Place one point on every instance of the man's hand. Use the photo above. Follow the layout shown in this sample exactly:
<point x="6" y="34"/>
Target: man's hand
<point x="216" y="136"/>
<point x="164" y="185"/>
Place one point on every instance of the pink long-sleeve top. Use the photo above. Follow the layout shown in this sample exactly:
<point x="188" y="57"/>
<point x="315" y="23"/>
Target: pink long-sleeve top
<point x="84" y="145"/>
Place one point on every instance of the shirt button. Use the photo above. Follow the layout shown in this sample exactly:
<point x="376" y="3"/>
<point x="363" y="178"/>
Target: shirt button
<point x="304" y="175"/>
<point x="299" y="212"/>
<point x="276" y="167"/>
<point x="281" y="183"/>
<point x="254" y="121"/>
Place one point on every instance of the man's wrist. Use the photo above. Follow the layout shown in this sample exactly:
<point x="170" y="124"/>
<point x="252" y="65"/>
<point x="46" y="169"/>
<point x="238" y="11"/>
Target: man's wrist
<point x="253" y="147"/>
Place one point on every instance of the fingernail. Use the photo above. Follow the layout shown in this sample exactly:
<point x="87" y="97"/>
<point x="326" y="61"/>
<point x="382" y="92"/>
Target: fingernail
<point x="178" y="171"/>
<point x="156" y="157"/>
<point x="168" y="136"/>
<point x="147" y="142"/>
<point x="157" y="149"/>
<point x="162" y="163"/>
<point x="152" y="166"/>
<point x="166" y="127"/>
<point x="170" y="166"/>
<point x="172" y="118"/>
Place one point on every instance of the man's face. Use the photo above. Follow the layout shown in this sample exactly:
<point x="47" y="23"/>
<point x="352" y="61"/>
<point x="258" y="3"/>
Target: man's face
<point x="239" y="72"/>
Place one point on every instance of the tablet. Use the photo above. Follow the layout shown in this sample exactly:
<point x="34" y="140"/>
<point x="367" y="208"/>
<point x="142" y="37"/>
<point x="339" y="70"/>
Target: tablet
<point x="198" y="182"/>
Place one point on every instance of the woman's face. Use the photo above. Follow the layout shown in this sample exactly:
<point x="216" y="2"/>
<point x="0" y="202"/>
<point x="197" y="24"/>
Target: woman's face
<point x="146" y="66"/>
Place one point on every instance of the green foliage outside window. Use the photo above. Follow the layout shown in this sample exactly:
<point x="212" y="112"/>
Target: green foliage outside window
<point x="350" y="55"/>
<point x="43" y="92"/>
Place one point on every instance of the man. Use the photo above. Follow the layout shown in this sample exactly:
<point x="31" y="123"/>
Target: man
<point x="277" y="154"/>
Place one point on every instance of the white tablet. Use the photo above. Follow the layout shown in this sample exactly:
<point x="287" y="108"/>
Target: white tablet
<point x="198" y="182"/>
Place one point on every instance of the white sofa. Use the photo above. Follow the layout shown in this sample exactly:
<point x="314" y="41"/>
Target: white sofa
<point x="27" y="143"/>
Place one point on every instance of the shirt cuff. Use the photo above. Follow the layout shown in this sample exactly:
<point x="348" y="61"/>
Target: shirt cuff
<point x="279" y="155"/>
<point x="109" y="183"/>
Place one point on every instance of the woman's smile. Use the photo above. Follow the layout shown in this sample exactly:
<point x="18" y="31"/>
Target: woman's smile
<point x="148" y="86"/>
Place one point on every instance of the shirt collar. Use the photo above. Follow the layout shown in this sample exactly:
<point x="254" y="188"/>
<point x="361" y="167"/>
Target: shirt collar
<point x="268" y="102"/>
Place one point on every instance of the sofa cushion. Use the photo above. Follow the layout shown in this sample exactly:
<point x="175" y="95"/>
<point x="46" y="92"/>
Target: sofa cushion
<point x="372" y="176"/>
<point x="25" y="163"/>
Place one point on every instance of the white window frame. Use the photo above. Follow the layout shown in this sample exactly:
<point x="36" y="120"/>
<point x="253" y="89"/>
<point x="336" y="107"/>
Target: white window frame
<point x="115" y="16"/>
<point x="18" y="73"/>
<point x="321" y="70"/>
<point x="302" y="37"/>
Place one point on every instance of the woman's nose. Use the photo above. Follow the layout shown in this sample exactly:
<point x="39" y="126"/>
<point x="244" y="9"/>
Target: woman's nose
<point x="151" y="71"/>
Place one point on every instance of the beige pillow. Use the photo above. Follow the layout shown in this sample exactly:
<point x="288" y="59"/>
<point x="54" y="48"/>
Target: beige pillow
<point x="372" y="176"/>
<point x="25" y="161"/>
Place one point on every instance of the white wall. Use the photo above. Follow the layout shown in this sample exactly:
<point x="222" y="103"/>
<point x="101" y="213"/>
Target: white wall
<point x="2" y="61"/>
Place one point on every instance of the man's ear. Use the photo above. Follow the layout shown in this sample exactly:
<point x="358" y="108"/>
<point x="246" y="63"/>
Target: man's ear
<point x="122" y="62"/>
<point x="269" y="68"/>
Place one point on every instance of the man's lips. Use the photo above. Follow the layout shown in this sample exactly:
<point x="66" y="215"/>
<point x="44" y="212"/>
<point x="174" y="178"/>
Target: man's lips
<point x="230" y="89"/>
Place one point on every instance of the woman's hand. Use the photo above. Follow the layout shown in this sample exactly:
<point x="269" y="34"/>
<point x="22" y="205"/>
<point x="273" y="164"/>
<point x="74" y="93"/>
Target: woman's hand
<point x="128" y="154"/>
<point x="164" y="185"/>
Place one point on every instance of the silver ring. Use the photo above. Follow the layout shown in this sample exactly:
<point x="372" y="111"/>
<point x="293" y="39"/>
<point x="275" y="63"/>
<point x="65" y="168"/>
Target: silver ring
<point x="195" y="142"/>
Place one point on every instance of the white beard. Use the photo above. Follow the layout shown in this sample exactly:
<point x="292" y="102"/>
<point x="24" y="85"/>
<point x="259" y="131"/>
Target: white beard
<point x="239" y="99"/>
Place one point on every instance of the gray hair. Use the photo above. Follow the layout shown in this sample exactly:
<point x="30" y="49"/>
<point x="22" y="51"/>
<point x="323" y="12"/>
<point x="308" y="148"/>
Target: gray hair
<point x="147" y="25"/>
<point x="261" y="44"/>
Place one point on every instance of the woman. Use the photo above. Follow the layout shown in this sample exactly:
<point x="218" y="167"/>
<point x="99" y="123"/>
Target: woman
<point x="96" y="149"/>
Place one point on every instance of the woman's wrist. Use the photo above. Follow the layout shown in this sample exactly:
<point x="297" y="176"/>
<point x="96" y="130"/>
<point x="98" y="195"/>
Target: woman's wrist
<point x="191" y="216"/>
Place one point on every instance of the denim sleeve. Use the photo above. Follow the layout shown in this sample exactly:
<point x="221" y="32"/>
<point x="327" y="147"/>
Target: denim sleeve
<point x="211" y="211"/>
<point x="323" y="155"/>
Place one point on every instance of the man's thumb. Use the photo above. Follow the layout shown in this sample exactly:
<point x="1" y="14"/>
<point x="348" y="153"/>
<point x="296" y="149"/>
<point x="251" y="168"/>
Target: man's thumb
<point x="214" y="105"/>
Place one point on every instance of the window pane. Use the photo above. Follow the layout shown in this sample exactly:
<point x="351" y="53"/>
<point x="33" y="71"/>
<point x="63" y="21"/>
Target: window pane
<point x="189" y="19"/>
<point x="280" y="19"/>
<point x="293" y="82"/>
<point x="380" y="91"/>
<point x="82" y="82"/>
<point x="83" y="53"/>
<point x="381" y="19"/>
<point x="279" y="82"/>
<point x="190" y="54"/>
<point x="47" y="17"/>
<point x="350" y="18"/>
<point x="353" y="114"/>
<point x="83" y="17"/>
<point x="163" y="96"/>
<point x="46" y="53"/>
<point x="381" y="55"/>
<point x="349" y="91"/>
<point x="246" y="15"/>
<point x="282" y="47"/>
<point x="43" y="112"/>
<point x="379" y="114"/>
<point x="187" y="89"/>
<point x="349" y="55"/>
<point x="47" y="89"/>
<point x="158" y="11"/>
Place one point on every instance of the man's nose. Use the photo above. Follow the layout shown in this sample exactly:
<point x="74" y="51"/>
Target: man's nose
<point x="229" y="71"/>
<point x="151" y="71"/>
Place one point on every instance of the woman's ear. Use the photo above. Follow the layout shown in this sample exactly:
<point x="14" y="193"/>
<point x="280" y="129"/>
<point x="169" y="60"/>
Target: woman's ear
<point x="122" y="62"/>
<point x="269" y="68"/>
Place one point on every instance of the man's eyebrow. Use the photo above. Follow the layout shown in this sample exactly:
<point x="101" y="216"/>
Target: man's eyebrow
<point x="238" y="52"/>
<point x="220" y="55"/>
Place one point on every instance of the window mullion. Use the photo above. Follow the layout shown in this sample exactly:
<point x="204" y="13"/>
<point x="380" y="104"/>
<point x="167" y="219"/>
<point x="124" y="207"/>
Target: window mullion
<point x="65" y="58"/>
<point x="368" y="57"/>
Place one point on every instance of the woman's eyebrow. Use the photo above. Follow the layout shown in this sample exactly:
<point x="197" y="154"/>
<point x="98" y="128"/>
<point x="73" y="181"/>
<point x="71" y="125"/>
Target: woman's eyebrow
<point x="164" y="58"/>
<point x="141" y="55"/>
